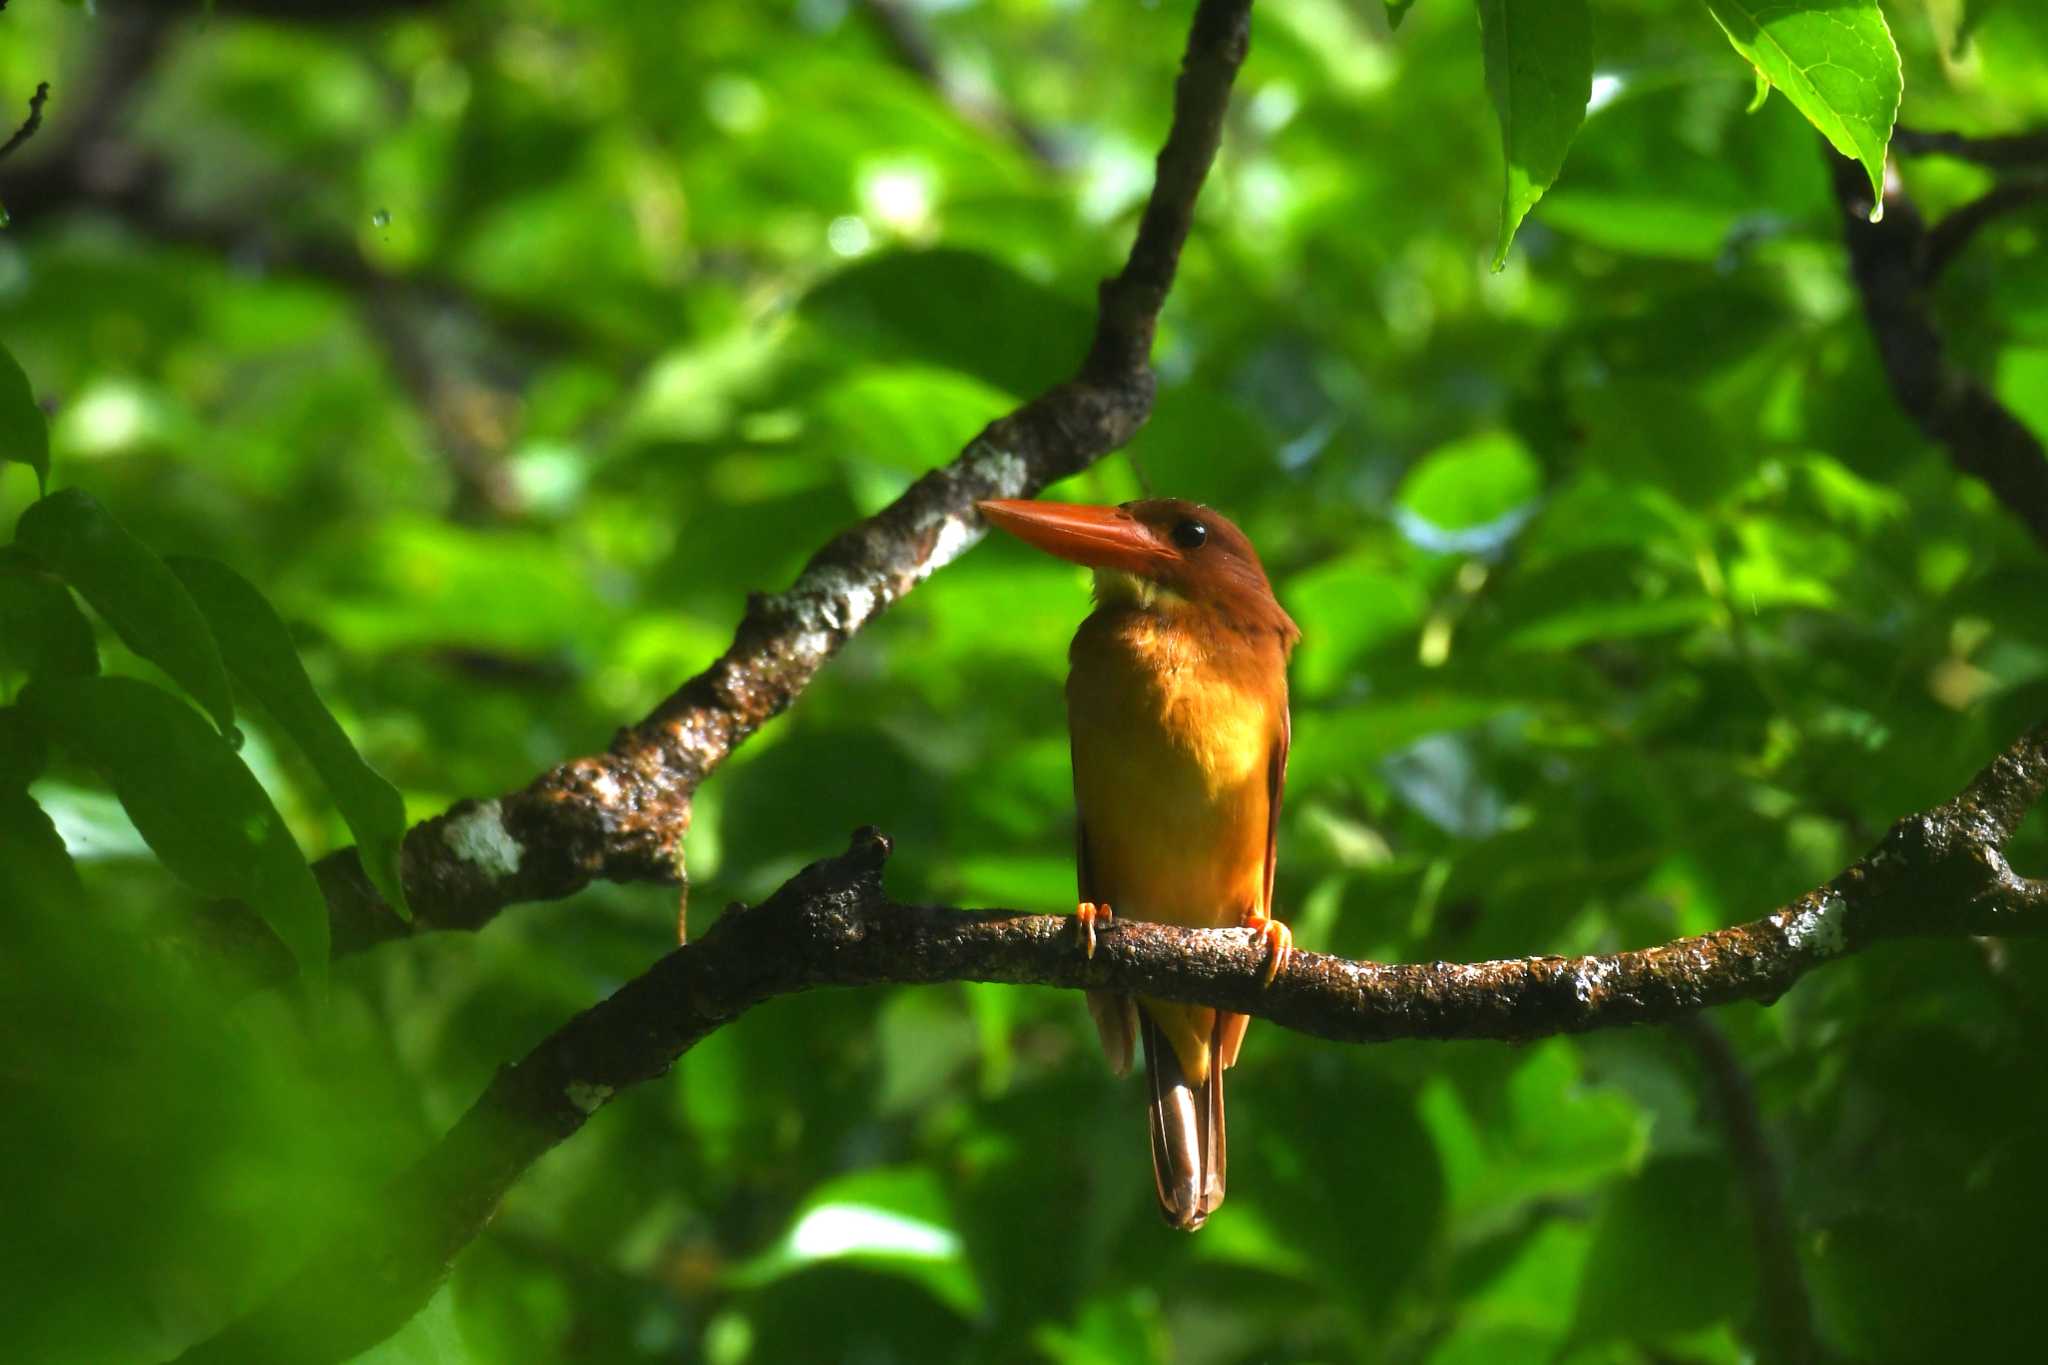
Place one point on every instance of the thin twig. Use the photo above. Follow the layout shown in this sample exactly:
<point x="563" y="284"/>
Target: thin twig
<point x="1785" y="1327"/>
<point x="2011" y="149"/>
<point x="1947" y="238"/>
<point x="30" y="124"/>
<point x="912" y="45"/>
<point x="1940" y="872"/>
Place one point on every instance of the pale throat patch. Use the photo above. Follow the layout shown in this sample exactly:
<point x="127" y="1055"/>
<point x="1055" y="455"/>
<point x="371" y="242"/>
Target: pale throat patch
<point x="1115" y="587"/>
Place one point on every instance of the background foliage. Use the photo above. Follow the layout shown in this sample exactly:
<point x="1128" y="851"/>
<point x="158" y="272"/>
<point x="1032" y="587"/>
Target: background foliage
<point x="507" y="345"/>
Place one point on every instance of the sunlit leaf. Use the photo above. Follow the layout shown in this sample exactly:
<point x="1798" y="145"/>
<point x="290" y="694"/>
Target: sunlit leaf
<point x="891" y="1220"/>
<point x="193" y="799"/>
<point x="77" y="538"/>
<point x="259" y="651"/>
<point x="1834" y="59"/>
<point x="1470" y="495"/>
<point x="1539" y="73"/>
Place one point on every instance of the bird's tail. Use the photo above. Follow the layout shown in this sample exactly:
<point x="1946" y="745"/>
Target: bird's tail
<point x="1189" y="1156"/>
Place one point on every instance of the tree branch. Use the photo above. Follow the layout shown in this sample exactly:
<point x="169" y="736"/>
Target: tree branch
<point x="1941" y="872"/>
<point x="1983" y="438"/>
<point x="621" y="816"/>
<point x="1947" y="238"/>
<point x="2011" y="149"/>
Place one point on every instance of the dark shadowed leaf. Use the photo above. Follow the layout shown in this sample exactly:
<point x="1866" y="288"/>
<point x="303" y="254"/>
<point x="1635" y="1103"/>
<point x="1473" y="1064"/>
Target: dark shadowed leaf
<point x="24" y="434"/>
<point x="259" y="651"/>
<point x="1669" y="1254"/>
<point x="958" y="309"/>
<point x="34" y="868"/>
<point x="193" y="800"/>
<point x="42" y="632"/>
<point x="72" y="534"/>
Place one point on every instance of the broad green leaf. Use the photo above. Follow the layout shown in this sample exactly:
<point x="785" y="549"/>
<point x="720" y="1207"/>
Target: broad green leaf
<point x="42" y="632"/>
<point x="259" y="651"/>
<point x="195" y="802"/>
<point x="1834" y="59"/>
<point x="1553" y="1135"/>
<point x="1539" y="71"/>
<point x="24" y="434"/>
<point x="891" y="1219"/>
<point x="72" y="534"/>
<point x="1472" y="489"/>
<point x="1397" y="10"/>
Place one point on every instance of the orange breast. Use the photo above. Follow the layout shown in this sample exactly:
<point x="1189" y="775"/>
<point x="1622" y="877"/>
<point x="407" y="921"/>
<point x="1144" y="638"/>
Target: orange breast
<point x="1171" y="747"/>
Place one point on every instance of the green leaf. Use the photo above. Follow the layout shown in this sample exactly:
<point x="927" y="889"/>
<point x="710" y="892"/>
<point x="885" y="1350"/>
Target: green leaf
<point x="893" y="1220"/>
<point x="42" y="632"/>
<point x="1539" y="71"/>
<point x="23" y="750"/>
<point x="24" y="434"/>
<point x="192" y="798"/>
<point x="34" y="867"/>
<point x="72" y="534"/>
<point x="1834" y="59"/>
<point x="1476" y="485"/>
<point x="259" y="651"/>
<point x="1397" y="10"/>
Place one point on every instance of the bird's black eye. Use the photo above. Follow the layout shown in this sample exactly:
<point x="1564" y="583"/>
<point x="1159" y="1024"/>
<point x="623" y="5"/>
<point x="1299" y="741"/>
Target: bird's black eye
<point x="1190" y="534"/>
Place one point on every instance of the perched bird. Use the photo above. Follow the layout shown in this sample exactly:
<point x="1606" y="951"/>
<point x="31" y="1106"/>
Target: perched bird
<point x="1177" y="709"/>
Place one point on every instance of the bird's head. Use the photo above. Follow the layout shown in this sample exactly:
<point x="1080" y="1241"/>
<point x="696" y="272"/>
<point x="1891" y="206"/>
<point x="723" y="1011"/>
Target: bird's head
<point x="1162" y="554"/>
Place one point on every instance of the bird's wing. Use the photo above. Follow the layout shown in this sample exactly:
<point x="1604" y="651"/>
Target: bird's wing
<point x="1276" y="781"/>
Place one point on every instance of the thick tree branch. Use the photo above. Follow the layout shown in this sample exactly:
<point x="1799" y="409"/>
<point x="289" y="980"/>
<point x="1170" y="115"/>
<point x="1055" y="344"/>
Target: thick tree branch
<point x="1983" y="438"/>
<point x="621" y="816"/>
<point x="1941" y="872"/>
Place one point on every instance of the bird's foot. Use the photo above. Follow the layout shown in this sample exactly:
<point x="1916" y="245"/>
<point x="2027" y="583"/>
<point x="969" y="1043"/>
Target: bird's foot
<point x="1087" y="914"/>
<point x="1279" y="940"/>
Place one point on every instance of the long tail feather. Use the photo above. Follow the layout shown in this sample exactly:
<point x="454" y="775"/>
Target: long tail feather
<point x="1189" y="1155"/>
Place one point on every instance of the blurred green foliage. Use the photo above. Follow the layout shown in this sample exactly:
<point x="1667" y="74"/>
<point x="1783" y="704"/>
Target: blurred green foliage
<point x="506" y="346"/>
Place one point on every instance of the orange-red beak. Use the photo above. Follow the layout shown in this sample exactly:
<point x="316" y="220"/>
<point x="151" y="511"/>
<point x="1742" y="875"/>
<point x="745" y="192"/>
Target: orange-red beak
<point x="1099" y="537"/>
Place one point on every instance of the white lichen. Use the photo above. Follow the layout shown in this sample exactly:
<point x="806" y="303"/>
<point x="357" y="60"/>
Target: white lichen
<point x="1590" y="976"/>
<point x="479" y="836"/>
<point x="954" y="538"/>
<point x="1004" y="470"/>
<point x="587" y="1097"/>
<point x="605" y="785"/>
<point x="1820" y="927"/>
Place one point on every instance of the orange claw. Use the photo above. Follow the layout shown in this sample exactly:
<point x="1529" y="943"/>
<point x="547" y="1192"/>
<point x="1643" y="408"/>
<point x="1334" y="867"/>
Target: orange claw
<point x="1279" y="940"/>
<point x="1087" y="913"/>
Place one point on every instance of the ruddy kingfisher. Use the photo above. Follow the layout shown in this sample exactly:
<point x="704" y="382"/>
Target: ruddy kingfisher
<point x="1177" y="710"/>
